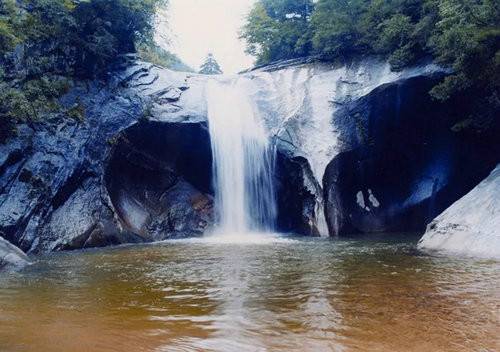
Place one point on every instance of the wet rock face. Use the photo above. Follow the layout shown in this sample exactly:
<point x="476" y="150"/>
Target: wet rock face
<point x="159" y="180"/>
<point x="53" y="194"/>
<point x="137" y="169"/>
<point x="403" y="164"/>
<point x="297" y="196"/>
<point x="302" y="104"/>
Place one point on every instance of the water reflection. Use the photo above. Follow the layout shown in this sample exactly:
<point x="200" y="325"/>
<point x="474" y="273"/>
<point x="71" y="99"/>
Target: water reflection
<point x="312" y="295"/>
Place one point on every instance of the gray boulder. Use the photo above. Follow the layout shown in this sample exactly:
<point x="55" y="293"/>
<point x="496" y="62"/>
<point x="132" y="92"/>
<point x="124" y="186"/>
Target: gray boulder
<point x="11" y="257"/>
<point x="471" y="226"/>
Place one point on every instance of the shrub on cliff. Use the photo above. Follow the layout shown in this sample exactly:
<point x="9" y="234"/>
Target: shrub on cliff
<point x="155" y="54"/>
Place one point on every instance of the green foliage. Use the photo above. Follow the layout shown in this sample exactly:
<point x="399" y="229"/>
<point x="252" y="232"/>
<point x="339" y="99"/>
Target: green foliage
<point x="461" y="34"/>
<point x="106" y="28"/>
<point x="278" y="29"/>
<point x="334" y="24"/>
<point x="10" y="21"/>
<point x="25" y="102"/>
<point x="467" y="37"/>
<point x="153" y="53"/>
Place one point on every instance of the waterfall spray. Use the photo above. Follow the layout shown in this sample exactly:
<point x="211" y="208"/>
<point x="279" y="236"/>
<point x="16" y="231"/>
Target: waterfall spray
<point x="243" y="160"/>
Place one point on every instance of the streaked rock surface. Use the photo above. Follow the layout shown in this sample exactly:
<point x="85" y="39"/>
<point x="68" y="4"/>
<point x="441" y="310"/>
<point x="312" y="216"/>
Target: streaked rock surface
<point x="471" y="226"/>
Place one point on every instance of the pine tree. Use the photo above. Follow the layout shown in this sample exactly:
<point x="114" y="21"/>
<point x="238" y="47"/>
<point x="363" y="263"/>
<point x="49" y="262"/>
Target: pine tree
<point x="210" y="66"/>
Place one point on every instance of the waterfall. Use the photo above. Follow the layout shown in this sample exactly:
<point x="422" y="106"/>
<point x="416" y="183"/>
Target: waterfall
<point x="243" y="160"/>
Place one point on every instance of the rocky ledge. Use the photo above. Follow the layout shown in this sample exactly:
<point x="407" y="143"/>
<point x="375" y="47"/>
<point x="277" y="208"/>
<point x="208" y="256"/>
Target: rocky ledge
<point x="372" y="151"/>
<point x="471" y="226"/>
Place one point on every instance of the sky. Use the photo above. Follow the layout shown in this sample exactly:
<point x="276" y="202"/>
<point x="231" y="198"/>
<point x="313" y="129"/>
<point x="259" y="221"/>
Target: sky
<point x="198" y="27"/>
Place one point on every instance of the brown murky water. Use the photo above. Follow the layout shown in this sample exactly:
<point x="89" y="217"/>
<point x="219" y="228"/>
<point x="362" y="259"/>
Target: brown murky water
<point x="307" y="295"/>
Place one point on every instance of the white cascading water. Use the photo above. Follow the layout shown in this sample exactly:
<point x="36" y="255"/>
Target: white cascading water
<point x="243" y="161"/>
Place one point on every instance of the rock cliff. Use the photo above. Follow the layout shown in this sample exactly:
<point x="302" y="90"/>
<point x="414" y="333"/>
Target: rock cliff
<point x="359" y="149"/>
<point x="66" y="184"/>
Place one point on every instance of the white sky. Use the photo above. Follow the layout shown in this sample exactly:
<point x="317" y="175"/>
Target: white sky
<point x="197" y="27"/>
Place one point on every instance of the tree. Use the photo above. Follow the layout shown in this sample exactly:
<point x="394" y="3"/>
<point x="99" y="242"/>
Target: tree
<point x="467" y="38"/>
<point x="336" y="28"/>
<point x="278" y="29"/>
<point x="283" y="10"/>
<point x="210" y="66"/>
<point x="157" y="55"/>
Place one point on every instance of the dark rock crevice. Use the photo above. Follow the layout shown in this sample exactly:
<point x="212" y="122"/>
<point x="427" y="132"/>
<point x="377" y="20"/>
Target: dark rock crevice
<point x="71" y="185"/>
<point x="16" y="156"/>
<point x="13" y="166"/>
<point x="158" y="178"/>
<point x="297" y="196"/>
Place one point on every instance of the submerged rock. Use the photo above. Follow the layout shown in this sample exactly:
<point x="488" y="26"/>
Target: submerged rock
<point x="471" y="226"/>
<point x="11" y="257"/>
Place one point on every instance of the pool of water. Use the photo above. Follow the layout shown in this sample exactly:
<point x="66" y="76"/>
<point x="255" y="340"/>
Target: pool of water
<point x="374" y="294"/>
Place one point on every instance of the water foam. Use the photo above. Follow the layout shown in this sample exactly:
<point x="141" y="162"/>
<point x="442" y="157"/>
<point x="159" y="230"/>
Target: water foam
<point x="243" y="163"/>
